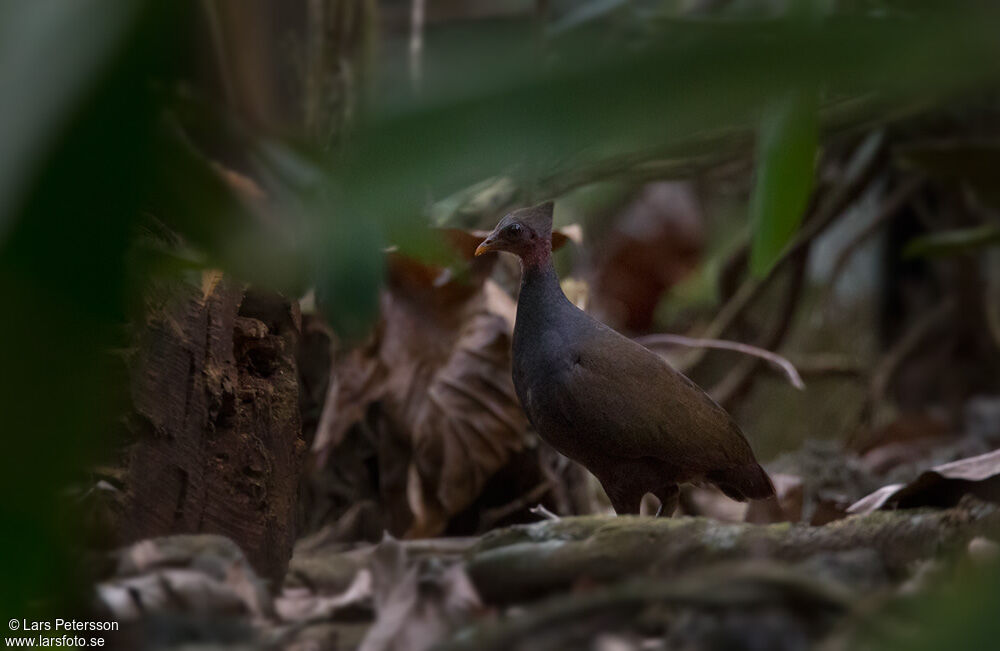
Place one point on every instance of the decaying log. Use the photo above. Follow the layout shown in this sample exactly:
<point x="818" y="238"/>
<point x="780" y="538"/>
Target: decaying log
<point x="217" y="436"/>
<point x="529" y="561"/>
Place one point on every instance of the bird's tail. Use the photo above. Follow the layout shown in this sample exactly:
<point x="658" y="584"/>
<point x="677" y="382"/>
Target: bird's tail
<point x="743" y="482"/>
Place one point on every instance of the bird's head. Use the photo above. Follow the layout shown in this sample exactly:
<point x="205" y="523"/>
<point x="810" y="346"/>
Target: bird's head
<point x="527" y="233"/>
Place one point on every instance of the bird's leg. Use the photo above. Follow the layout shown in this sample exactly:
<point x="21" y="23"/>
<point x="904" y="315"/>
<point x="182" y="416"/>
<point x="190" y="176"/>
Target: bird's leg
<point x="624" y="500"/>
<point x="668" y="496"/>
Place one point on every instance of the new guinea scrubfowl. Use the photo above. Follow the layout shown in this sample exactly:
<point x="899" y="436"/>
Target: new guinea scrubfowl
<point x="607" y="402"/>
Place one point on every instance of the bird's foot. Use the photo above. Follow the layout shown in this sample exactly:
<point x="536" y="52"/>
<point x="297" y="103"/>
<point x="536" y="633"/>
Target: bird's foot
<point x="668" y="497"/>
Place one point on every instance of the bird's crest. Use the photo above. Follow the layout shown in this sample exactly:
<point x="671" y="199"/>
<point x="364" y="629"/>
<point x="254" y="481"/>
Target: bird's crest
<point x="538" y="218"/>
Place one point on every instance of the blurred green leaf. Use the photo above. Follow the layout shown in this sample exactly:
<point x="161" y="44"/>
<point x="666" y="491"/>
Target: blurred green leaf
<point x="348" y="270"/>
<point x="232" y="227"/>
<point x="953" y="242"/>
<point x="490" y="107"/>
<point x="956" y="613"/>
<point x="786" y="159"/>
<point x="78" y="157"/>
<point x="39" y="101"/>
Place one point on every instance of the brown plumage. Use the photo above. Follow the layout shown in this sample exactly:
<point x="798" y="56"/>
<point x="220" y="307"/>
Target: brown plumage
<point x="605" y="401"/>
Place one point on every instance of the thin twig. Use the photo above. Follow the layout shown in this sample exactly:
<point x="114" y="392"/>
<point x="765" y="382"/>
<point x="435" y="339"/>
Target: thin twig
<point x="909" y="343"/>
<point x="544" y="513"/>
<point x="890" y="363"/>
<point x="651" y="341"/>
<point x="738" y="380"/>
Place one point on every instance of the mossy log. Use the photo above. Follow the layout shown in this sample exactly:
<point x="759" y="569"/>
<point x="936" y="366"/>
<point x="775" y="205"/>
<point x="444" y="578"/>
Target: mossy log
<point x="529" y="561"/>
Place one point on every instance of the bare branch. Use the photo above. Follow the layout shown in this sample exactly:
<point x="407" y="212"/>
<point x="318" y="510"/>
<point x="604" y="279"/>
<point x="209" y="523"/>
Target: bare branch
<point x="918" y="332"/>
<point x="543" y="512"/>
<point x="652" y="341"/>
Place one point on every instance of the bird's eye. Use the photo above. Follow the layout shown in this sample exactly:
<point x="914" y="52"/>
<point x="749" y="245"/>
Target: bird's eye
<point x="514" y="229"/>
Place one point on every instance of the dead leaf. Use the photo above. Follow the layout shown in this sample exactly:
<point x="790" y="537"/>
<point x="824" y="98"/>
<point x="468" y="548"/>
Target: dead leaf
<point x="435" y="383"/>
<point x="210" y="278"/>
<point x="654" y="243"/>
<point x="302" y="603"/>
<point x="907" y="428"/>
<point x="172" y="590"/>
<point x="710" y="502"/>
<point x="200" y="573"/>
<point x="416" y="604"/>
<point x="941" y="486"/>
<point x="786" y="506"/>
<point x="470" y="421"/>
<point x="789" y="503"/>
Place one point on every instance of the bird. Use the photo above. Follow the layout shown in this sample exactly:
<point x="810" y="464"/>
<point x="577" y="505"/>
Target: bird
<point x="605" y="401"/>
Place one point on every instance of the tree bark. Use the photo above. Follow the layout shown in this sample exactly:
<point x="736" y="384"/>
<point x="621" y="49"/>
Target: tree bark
<point x="217" y="434"/>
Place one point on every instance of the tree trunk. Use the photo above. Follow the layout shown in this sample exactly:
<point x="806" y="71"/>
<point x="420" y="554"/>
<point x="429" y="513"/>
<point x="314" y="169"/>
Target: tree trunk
<point x="217" y="445"/>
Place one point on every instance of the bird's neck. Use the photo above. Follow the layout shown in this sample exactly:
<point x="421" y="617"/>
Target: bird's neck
<point x="538" y="257"/>
<point x="540" y="290"/>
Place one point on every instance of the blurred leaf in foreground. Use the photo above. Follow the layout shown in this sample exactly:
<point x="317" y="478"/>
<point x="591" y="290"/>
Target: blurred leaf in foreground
<point x="39" y="103"/>
<point x="77" y="160"/>
<point x="959" y="614"/>
<point x="492" y="107"/>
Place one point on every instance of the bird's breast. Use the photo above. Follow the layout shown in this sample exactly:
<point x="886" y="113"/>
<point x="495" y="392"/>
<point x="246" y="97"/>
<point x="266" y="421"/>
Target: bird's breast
<point x="542" y="388"/>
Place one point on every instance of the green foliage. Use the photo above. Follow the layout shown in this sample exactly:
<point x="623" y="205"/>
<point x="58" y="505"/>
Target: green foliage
<point x="47" y="99"/>
<point x="963" y="240"/>
<point x="956" y="614"/>
<point x="786" y="158"/>
<point x="347" y="277"/>
<point x="77" y="156"/>
<point x="494" y="106"/>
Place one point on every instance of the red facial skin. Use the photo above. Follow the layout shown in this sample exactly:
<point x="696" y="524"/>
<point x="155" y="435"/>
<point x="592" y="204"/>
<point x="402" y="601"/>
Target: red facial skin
<point x="525" y="233"/>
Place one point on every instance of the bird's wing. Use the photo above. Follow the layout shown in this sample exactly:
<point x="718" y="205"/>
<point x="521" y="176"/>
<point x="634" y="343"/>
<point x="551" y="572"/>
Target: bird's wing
<point x="622" y="394"/>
